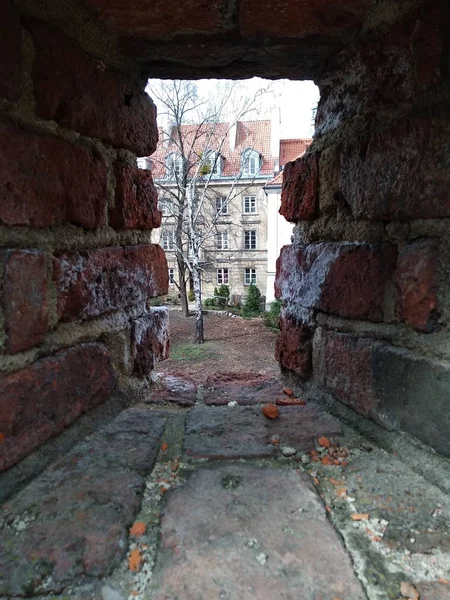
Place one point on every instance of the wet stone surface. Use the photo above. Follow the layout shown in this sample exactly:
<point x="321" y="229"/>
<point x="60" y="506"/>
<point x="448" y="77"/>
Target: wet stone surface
<point x="243" y="432"/>
<point x="70" y="524"/>
<point x="261" y="533"/>
<point x="243" y="388"/>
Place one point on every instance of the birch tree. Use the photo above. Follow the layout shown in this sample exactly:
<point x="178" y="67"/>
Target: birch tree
<point x="197" y="129"/>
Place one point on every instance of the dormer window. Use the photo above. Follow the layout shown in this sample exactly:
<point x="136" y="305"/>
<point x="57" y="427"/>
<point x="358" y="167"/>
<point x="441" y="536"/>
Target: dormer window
<point x="174" y="166"/>
<point x="211" y="163"/>
<point x="251" y="162"/>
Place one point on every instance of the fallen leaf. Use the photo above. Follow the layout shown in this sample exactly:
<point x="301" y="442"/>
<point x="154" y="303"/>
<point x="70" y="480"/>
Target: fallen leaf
<point x="341" y="492"/>
<point x="290" y="402"/>
<point x="360" y="516"/>
<point x="324" y="442"/>
<point x="336" y="482"/>
<point x="139" y="528"/>
<point x="135" y="560"/>
<point x="327" y="460"/>
<point x="408" y="590"/>
<point x="288" y="391"/>
<point x="174" y="465"/>
<point x="270" y="411"/>
<point x="163" y="490"/>
<point x="316" y="481"/>
<point x="164" y="446"/>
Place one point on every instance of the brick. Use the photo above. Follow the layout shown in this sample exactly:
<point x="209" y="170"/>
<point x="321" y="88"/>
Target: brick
<point x="399" y="389"/>
<point x="293" y="349"/>
<point x="299" y="197"/>
<point x="399" y="173"/>
<point x="43" y="399"/>
<point x="102" y="104"/>
<point x="417" y="282"/>
<point x="153" y="20"/>
<point x="348" y="371"/>
<point x="93" y="282"/>
<point x="299" y="17"/>
<point x="46" y="181"/>
<point x="136" y="200"/>
<point x="24" y="297"/>
<point x="345" y="279"/>
<point x="150" y="340"/>
<point x="10" y="52"/>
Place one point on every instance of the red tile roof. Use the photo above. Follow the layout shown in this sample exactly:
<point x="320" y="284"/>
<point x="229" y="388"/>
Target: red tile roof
<point x="292" y="149"/>
<point x="216" y="136"/>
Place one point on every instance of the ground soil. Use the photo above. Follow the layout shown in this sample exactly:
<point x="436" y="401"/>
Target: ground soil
<point x="232" y="344"/>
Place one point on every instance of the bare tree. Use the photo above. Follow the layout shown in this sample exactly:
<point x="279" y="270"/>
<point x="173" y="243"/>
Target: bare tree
<point x="192" y="139"/>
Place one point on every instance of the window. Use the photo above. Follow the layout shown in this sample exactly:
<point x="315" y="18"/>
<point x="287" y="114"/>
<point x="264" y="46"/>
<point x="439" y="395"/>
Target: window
<point x="221" y="206"/>
<point x="249" y="276"/>
<point x="222" y="240"/>
<point x="251" y="162"/>
<point x="222" y="276"/>
<point x="171" y="276"/>
<point x="165" y="205"/>
<point x="211" y="162"/>
<point x="174" y="166"/>
<point x="250" y="240"/>
<point x="249" y="205"/>
<point x="167" y="240"/>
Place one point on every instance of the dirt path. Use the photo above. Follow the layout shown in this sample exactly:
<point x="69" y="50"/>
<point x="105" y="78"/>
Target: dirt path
<point x="232" y="345"/>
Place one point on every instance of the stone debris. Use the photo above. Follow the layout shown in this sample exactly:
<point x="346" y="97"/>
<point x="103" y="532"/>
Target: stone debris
<point x="288" y="451"/>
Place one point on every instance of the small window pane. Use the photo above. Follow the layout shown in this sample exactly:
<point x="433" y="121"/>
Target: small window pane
<point x="222" y="276"/>
<point x="249" y="276"/>
<point x="221" y="206"/>
<point x="222" y="240"/>
<point x="250" y="240"/>
<point x="249" y="204"/>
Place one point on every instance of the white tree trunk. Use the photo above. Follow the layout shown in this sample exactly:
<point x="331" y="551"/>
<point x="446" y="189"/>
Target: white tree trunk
<point x="196" y="275"/>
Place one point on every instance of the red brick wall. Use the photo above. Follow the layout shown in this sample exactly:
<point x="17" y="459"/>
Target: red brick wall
<point x="368" y="277"/>
<point x="77" y="266"/>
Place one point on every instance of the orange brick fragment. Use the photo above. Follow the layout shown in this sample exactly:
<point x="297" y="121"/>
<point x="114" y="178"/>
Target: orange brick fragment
<point x="135" y="560"/>
<point x="336" y="482"/>
<point x="139" y="528"/>
<point x="360" y="516"/>
<point x="164" y="446"/>
<point x="327" y="460"/>
<point x="270" y="411"/>
<point x="290" y="402"/>
<point x="324" y="442"/>
<point x="288" y="391"/>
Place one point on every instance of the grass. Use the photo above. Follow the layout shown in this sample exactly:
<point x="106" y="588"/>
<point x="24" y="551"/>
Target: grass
<point x="191" y="351"/>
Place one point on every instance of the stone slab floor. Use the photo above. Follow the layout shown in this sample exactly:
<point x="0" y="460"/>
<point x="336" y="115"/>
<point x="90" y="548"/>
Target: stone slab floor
<point x="196" y="495"/>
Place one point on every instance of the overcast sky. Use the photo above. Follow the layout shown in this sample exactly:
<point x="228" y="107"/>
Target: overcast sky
<point x="295" y="100"/>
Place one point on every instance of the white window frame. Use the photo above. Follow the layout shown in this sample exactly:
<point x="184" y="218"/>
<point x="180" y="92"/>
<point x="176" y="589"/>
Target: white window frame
<point x="222" y="276"/>
<point x="171" y="276"/>
<point x="250" y="276"/>
<point x="165" y="205"/>
<point x="251" y="162"/>
<point x="221" y="205"/>
<point x="250" y="203"/>
<point x="167" y="240"/>
<point x="222" y="240"/>
<point x="250" y="240"/>
<point x="174" y="166"/>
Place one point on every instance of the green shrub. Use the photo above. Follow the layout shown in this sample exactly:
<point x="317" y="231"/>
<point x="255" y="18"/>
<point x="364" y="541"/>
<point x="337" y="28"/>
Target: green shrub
<point x="222" y="294"/>
<point x="191" y="296"/>
<point x="272" y="316"/>
<point x="252" y="305"/>
<point x="210" y="302"/>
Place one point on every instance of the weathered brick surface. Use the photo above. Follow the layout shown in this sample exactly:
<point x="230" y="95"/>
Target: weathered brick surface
<point x="152" y="19"/>
<point x="340" y="278"/>
<point x="243" y="388"/>
<point x="93" y="282"/>
<point x="173" y="389"/>
<point x="299" y="196"/>
<point x="46" y="181"/>
<point x="101" y="103"/>
<point x="78" y="513"/>
<point x="399" y="173"/>
<point x="300" y="18"/>
<point x="10" y="52"/>
<point x="136" y="199"/>
<point x="293" y="348"/>
<point x="417" y="283"/>
<point x="41" y="400"/>
<point x="348" y="371"/>
<point x="24" y="298"/>
<point x="397" y="388"/>
<point x="150" y="340"/>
